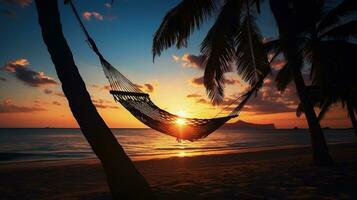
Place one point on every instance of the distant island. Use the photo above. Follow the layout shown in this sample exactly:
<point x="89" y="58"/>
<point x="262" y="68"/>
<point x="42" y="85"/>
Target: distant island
<point x="247" y="125"/>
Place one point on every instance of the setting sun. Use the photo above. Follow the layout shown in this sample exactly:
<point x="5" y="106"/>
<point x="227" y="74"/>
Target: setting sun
<point x="180" y="121"/>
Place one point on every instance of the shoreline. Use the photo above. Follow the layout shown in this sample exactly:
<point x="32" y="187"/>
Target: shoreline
<point x="220" y="153"/>
<point x="141" y="158"/>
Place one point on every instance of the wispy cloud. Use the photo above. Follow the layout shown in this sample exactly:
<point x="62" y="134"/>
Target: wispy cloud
<point x="149" y="87"/>
<point x="56" y="103"/>
<point x="87" y="15"/>
<point x="198" y="81"/>
<point x="108" y="5"/>
<point x="189" y="61"/>
<point x="104" y="104"/>
<point x="267" y="101"/>
<point x="19" y="68"/>
<point x="7" y="106"/>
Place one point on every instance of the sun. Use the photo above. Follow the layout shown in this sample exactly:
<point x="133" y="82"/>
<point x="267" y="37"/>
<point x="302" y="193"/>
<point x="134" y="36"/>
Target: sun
<point x="180" y="121"/>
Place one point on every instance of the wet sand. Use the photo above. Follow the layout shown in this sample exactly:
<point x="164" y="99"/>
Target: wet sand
<point x="267" y="174"/>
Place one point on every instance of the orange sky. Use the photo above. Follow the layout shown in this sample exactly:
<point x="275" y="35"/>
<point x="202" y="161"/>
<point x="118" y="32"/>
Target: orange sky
<point x="45" y="105"/>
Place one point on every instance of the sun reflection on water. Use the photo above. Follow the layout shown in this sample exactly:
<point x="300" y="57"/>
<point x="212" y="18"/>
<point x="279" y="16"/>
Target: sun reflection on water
<point x="181" y="154"/>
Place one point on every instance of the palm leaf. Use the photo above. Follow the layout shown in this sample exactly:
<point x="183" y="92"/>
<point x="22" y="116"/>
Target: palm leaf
<point x="324" y="108"/>
<point x="180" y="22"/>
<point x="345" y="31"/>
<point x="333" y="17"/>
<point x="252" y="61"/>
<point x="283" y="78"/>
<point x="218" y="49"/>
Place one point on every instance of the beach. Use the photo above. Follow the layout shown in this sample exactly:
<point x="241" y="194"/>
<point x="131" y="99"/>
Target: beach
<point x="285" y="173"/>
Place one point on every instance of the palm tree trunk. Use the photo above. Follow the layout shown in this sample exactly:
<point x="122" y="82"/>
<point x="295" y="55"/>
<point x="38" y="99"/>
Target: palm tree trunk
<point x="351" y="113"/>
<point x="125" y="182"/>
<point x="287" y="20"/>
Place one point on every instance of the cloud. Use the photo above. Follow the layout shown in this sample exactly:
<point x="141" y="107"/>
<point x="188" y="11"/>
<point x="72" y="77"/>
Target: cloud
<point x="194" y="96"/>
<point x="176" y="58"/>
<point x="106" y="87"/>
<point x="103" y="104"/>
<point x="56" y="103"/>
<point x="108" y="5"/>
<point x="47" y="91"/>
<point x="148" y="87"/>
<point x="198" y="81"/>
<point x="3" y="79"/>
<point x="267" y="101"/>
<point x="277" y="64"/>
<point x="190" y="61"/>
<point x="87" y="15"/>
<point x="21" y="3"/>
<point x="56" y="93"/>
<point x="198" y="98"/>
<point x="7" y="106"/>
<point x="28" y="76"/>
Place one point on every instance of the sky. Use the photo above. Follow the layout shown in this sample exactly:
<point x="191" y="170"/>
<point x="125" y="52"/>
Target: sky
<point x="31" y="95"/>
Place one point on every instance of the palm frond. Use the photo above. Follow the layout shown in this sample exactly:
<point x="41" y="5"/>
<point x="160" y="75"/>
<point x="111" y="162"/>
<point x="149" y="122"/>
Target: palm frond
<point x="180" y="22"/>
<point x="283" y="78"/>
<point x="324" y="108"/>
<point x="299" y="110"/>
<point x="218" y="49"/>
<point x="333" y="17"/>
<point x="252" y="61"/>
<point x="345" y="31"/>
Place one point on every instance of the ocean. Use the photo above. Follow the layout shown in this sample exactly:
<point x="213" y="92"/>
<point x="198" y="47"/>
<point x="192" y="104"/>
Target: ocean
<point x="20" y="144"/>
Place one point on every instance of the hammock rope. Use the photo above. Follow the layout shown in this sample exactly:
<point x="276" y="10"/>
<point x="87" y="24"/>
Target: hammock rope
<point x="139" y="104"/>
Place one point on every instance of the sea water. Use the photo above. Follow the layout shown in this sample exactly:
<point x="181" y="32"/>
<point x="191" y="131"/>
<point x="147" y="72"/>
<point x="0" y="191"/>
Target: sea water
<point x="20" y="144"/>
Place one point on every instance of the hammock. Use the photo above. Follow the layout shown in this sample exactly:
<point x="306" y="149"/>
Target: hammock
<point x="139" y="104"/>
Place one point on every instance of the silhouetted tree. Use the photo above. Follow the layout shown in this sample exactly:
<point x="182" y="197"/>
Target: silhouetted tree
<point x="234" y="38"/>
<point x="125" y="182"/>
<point x="326" y="46"/>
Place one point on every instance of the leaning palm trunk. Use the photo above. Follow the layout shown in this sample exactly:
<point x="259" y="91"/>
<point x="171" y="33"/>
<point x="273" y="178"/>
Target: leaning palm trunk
<point x="352" y="116"/>
<point x="125" y="182"/>
<point x="285" y="15"/>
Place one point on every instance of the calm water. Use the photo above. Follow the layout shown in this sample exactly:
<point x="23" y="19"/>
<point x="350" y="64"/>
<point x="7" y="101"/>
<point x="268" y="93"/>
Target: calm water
<point x="44" y="144"/>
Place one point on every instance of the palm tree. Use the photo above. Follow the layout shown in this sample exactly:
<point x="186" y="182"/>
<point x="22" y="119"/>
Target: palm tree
<point x="125" y="182"/>
<point x="234" y="38"/>
<point x="325" y="100"/>
<point x="293" y="19"/>
<point x="331" y="56"/>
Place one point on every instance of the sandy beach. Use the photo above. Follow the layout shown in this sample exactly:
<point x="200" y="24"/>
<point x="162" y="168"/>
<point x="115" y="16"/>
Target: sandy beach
<point x="266" y="174"/>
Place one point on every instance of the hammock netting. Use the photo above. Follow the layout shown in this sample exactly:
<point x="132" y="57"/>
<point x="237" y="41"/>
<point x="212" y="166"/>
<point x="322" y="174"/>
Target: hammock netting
<point x="142" y="108"/>
<point x="139" y="104"/>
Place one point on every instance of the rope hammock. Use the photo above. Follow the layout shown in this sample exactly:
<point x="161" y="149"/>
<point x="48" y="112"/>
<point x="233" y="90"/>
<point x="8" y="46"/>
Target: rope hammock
<point x="139" y="104"/>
